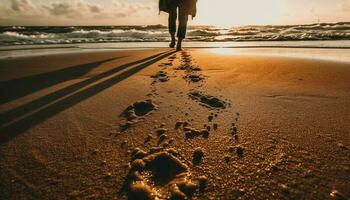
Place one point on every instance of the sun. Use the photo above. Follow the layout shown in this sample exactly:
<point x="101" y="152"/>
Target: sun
<point x="226" y="13"/>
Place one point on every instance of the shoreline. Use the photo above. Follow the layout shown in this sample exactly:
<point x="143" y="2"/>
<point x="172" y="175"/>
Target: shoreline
<point x="336" y="54"/>
<point x="207" y="44"/>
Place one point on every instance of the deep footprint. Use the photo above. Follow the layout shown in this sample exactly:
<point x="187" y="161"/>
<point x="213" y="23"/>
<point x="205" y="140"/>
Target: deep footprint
<point x="208" y="100"/>
<point x="188" y="67"/>
<point x="159" y="175"/>
<point x="140" y="108"/>
<point x="161" y="76"/>
<point x="194" y="78"/>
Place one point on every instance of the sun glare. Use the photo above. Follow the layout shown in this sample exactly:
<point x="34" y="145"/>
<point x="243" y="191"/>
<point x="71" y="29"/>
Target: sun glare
<point x="227" y="13"/>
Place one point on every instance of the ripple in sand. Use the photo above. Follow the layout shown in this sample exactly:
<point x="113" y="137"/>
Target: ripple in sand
<point x="160" y="175"/>
<point x="207" y="100"/>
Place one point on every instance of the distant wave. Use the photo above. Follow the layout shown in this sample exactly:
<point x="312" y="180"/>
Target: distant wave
<point x="158" y="33"/>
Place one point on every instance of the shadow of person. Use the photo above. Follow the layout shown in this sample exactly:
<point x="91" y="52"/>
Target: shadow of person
<point x="14" y="89"/>
<point x="11" y="130"/>
<point x="14" y="113"/>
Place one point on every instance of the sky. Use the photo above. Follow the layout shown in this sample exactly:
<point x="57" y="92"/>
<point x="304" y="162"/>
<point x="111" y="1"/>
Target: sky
<point x="223" y="13"/>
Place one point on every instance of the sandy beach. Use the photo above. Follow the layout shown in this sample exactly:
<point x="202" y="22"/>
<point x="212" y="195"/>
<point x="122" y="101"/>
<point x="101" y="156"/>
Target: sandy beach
<point x="158" y="124"/>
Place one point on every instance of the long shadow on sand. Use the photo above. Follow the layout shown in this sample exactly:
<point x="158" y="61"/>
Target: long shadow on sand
<point x="19" y="111"/>
<point x="14" y="89"/>
<point x="10" y="131"/>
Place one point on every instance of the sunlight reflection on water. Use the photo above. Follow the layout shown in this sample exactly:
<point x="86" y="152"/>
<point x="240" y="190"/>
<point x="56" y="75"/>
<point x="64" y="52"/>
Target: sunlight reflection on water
<point x="340" y="55"/>
<point x="325" y="50"/>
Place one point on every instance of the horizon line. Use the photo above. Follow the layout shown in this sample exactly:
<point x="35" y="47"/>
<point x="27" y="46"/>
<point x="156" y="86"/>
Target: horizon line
<point x="306" y="24"/>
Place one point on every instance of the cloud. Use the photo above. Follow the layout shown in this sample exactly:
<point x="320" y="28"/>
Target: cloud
<point x="125" y="9"/>
<point x="23" y="7"/>
<point x="95" y="8"/>
<point x="77" y="8"/>
<point x="75" y="12"/>
<point x="73" y="9"/>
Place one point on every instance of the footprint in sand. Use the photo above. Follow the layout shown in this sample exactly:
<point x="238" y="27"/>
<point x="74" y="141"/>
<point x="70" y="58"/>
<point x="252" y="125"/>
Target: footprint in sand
<point x="136" y="110"/>
<point x="140" y="108"/>
<point x="188" y="68"/>
<point x="171" y="58"/>
<point x="208" y="100"/>
<point x="168" y="64"/>
<point x="234" y="129"/>
<point x="160" y="76"/>
<point x="194" y="78"/>
<point x="160" y="175"/>
<point x="192" y="74"/>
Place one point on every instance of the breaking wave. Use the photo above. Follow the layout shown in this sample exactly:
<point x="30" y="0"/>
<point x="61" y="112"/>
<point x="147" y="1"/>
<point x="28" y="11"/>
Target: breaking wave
<point x="158" y="33"/>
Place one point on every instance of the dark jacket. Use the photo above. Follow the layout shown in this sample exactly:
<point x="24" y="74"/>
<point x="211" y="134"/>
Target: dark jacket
<point x="190" y="4"/>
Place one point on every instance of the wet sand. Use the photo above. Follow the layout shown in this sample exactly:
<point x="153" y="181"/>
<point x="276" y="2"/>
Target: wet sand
<point x="197" y="124"/>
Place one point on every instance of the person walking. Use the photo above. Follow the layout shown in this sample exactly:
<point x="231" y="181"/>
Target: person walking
<point x="178" y="9"/>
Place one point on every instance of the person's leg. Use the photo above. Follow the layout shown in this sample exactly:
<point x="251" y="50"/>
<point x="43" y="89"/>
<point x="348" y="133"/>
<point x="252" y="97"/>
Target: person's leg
<point x="172" y="23"/>
<point x="183" y="18"/>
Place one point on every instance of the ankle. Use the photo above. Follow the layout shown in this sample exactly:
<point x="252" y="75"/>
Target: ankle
<point x="179" y="45"/>
<point x="179" y="41"/>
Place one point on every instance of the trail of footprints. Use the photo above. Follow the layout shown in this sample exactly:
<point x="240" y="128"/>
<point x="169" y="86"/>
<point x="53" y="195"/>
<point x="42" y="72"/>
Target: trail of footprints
<point x="161" y="172"/>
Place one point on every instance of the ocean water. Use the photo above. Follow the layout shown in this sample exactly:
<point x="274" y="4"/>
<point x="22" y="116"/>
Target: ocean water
<point x="329" y="41"/>
<point x="158" y="33"/>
